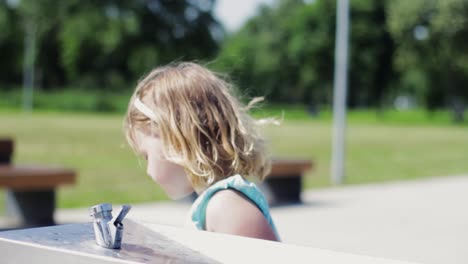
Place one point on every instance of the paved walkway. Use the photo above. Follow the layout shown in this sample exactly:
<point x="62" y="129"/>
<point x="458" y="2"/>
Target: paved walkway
<point x="423" y="221"/>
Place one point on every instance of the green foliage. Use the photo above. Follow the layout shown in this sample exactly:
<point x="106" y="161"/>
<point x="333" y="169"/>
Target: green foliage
<point x="69" y="100"/>
<point x="10" y="44"/>
<point x="431" y="54"/>
<point x="105" y="44"/>
<point x="286" y="52"/>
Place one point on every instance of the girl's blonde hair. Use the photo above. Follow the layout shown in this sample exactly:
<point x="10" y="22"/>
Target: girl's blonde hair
<point x="203" y="127"/>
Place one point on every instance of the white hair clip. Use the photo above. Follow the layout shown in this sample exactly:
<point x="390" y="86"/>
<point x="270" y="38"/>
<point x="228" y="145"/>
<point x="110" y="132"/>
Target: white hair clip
<point x="144" y="109"/>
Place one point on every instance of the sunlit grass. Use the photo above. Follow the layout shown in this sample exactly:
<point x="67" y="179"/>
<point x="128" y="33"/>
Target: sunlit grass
<point x="376" y="153"/>
<point x="108" y="171"/>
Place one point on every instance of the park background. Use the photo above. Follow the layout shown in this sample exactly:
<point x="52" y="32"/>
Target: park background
<point x="408" y="72"/>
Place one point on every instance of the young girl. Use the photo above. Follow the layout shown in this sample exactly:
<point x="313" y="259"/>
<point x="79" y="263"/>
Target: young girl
<point x="196" y="136"/>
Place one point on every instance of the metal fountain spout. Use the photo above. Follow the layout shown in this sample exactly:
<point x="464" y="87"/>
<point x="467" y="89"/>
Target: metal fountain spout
<point x="108" y="230"/>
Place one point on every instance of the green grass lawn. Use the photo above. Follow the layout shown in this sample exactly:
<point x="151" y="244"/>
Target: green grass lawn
<point x="108" y="171"/>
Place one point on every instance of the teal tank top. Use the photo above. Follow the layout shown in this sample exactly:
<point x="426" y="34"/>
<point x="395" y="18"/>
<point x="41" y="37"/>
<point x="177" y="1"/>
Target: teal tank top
<point x="250" y="190"/>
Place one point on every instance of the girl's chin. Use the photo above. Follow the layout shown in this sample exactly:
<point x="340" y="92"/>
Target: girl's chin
<point x="179" y="196"/>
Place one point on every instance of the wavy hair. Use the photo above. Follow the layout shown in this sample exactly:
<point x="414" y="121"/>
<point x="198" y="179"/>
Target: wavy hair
<point x="202" y="125"/>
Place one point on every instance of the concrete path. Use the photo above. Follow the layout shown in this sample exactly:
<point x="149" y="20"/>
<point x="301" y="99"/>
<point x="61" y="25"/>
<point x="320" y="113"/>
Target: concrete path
<point x="422" y="221"/>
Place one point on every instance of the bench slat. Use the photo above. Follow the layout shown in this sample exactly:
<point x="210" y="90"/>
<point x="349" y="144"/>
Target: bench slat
<point x="32" y="177"/>
<point x="289" y="167"/>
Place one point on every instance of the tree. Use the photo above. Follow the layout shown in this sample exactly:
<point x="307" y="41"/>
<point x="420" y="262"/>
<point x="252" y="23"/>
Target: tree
<point x="431" y="53"/>
<point x="287" y="51"/>
<point x="108" y="44"/>
<point x="273" y="53"/>
<point x="11" y="46"/>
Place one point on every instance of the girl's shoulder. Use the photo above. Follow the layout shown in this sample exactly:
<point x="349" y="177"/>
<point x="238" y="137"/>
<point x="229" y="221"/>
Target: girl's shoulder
<point x="232" y="202"/>
<point x="231" y="212"/>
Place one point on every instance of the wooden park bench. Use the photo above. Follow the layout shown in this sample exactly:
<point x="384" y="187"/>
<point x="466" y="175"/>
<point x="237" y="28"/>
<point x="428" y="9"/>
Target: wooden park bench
<point x="30" y="195"/>
<point x="283" y="184"/>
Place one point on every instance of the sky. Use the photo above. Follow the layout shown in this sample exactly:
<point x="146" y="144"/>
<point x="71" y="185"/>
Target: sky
<point x="234" y="13"/>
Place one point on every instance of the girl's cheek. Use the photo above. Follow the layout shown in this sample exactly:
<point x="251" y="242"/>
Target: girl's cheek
<point x="150" y="170"/>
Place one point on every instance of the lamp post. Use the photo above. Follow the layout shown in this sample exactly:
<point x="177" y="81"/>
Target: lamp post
<point x="340" y="91"/>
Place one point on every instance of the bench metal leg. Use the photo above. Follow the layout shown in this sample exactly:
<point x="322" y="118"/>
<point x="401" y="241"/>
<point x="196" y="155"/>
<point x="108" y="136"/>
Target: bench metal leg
<point x="31" y="208"/>
<point x="283" y="190"/>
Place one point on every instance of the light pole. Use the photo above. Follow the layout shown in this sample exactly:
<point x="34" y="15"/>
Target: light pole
<point x="339" y="91"/>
